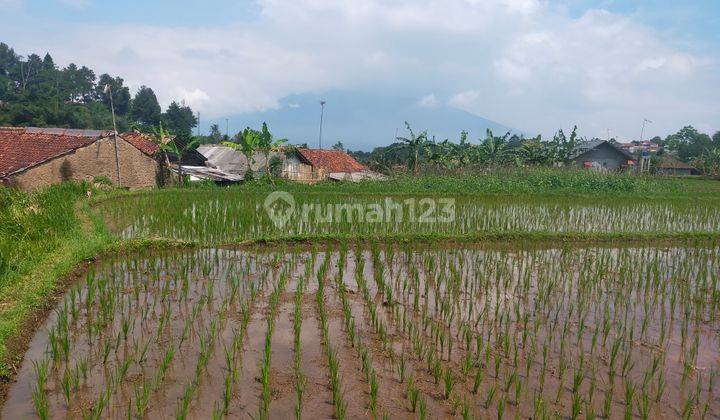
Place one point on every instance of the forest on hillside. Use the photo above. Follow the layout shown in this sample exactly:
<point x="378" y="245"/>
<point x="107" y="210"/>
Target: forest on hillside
<point x="34" y="91"/>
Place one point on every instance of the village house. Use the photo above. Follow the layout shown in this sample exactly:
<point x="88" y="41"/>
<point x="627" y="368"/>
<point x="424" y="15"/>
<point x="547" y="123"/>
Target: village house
<point x="314" y="165"/>
<point x="226" y="165"/>
<point x="638" y="147"/>
<point x="670" y="165"/>
<point x="32" y="158"/>
<point x="600" y="155"/>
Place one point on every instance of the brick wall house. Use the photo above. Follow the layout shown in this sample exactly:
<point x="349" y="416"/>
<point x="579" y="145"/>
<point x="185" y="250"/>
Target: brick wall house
<point x="313" y="165"/>
<point x="32" y="158"/>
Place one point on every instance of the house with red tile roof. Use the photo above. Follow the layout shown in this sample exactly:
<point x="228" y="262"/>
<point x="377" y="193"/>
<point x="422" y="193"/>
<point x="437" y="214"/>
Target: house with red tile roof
<point x="313" y="165"/>
<point x="32" y="158"/>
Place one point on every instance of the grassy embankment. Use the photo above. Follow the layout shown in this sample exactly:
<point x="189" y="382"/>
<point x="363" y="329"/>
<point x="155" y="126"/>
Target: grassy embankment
<point x="45" y="236"/>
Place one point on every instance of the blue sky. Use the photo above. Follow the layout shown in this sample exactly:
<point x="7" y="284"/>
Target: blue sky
<point x="531" y="64"/>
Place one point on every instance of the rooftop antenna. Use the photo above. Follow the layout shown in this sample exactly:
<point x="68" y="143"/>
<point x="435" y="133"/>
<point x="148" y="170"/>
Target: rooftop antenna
<point x="644" y="160"/>
<point x="108" y="90"/>
<point x="322" y="111"/>
<point x="642" y="131"/>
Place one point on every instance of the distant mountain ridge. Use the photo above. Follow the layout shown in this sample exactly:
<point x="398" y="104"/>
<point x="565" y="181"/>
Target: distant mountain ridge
<point x="360" y="121"/>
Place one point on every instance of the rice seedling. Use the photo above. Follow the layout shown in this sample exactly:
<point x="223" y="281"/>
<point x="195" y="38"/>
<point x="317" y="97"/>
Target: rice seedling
<point x="570" y="331"/>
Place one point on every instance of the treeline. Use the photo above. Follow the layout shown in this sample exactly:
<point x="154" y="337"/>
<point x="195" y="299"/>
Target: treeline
<point x="34" y="91"/>
<point x="418" y="151"/>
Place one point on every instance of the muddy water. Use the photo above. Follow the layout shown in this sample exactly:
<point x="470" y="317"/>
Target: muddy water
<point x="500" y="308"/>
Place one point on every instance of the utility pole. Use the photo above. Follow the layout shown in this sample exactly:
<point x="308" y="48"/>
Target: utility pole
<point x="108" y="90"/>
<point x="322" y="111"/>
<point x="198" y="123"/>
<point x="227" y="132"/>
<point x="644" y="160"/>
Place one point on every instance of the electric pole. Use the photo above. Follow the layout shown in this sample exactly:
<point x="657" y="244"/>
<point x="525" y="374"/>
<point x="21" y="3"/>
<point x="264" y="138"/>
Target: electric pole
<point x="108" y="90"/>
<point x="322" y="111"/>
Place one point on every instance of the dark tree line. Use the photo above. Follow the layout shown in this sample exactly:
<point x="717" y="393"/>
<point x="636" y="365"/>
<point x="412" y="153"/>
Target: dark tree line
<point x="34" y="91"/>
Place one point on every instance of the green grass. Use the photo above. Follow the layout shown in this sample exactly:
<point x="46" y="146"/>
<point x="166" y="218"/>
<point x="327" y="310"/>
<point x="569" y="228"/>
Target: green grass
<point x="44" y="237"/>
<point x="523" y="181"/>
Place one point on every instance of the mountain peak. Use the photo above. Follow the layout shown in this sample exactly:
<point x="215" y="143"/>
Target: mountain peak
<point x="362" y="121"/>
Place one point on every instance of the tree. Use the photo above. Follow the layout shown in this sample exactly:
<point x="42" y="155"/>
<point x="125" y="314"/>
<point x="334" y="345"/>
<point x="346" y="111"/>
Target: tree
<point x="338" y="146"/>
<point x="416" y="146"/>
<point x="215" y="136"/>
<point x="145" y="108"/>
<point x="247" y="142"/>
<point x="120" y="94"/>
<point x="180" y="120"/>
<point x="170" y="144"/>
<point x="689" y="143"/>
<point x="268" y="145"/>
<point x="77" y="84"/>
<point x="34" y="91"/>
<point x="708" y="163"/>
<point x="493" y="150"/>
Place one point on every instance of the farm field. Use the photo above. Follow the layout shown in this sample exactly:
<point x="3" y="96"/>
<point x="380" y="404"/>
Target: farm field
<point x="217" y="217"/>
<point x="348" y="330"/>
<point x="200" y="305"/>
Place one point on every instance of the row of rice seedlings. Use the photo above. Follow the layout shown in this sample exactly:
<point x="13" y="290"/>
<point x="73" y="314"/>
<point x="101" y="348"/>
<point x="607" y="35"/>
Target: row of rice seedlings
<point x="300" y="379"/>
<point x="431" y="357"/>
<point x="352" y="335"/>
<point x="265" y="393"/>
<point x="213" y="217"/>
<point x="338" y="397"/>
<point x="604" y="327"/>
<point x="233" y="355"/>
<point x="514" y="344"/>
<point x="112" y="301"/>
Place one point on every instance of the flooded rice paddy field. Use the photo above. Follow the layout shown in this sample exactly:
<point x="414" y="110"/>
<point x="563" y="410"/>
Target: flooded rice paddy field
<point x="405" y="331"/>
<point x="212" y="218"/>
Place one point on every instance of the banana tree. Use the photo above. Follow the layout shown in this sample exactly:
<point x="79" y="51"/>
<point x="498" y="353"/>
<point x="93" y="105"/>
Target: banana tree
<point x="269" y="145"/>
<point x="248" y="142"/>
<point x="493" y="150"/>
<point x="169" y="144"/>
<point x="416" y="146"/>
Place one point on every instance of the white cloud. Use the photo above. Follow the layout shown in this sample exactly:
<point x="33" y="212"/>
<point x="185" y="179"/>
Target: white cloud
<point x="194" y="98"/>
<point x="521" y="62"/>
<point x="464" y="100"/>
<point x="428" y="101"/>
